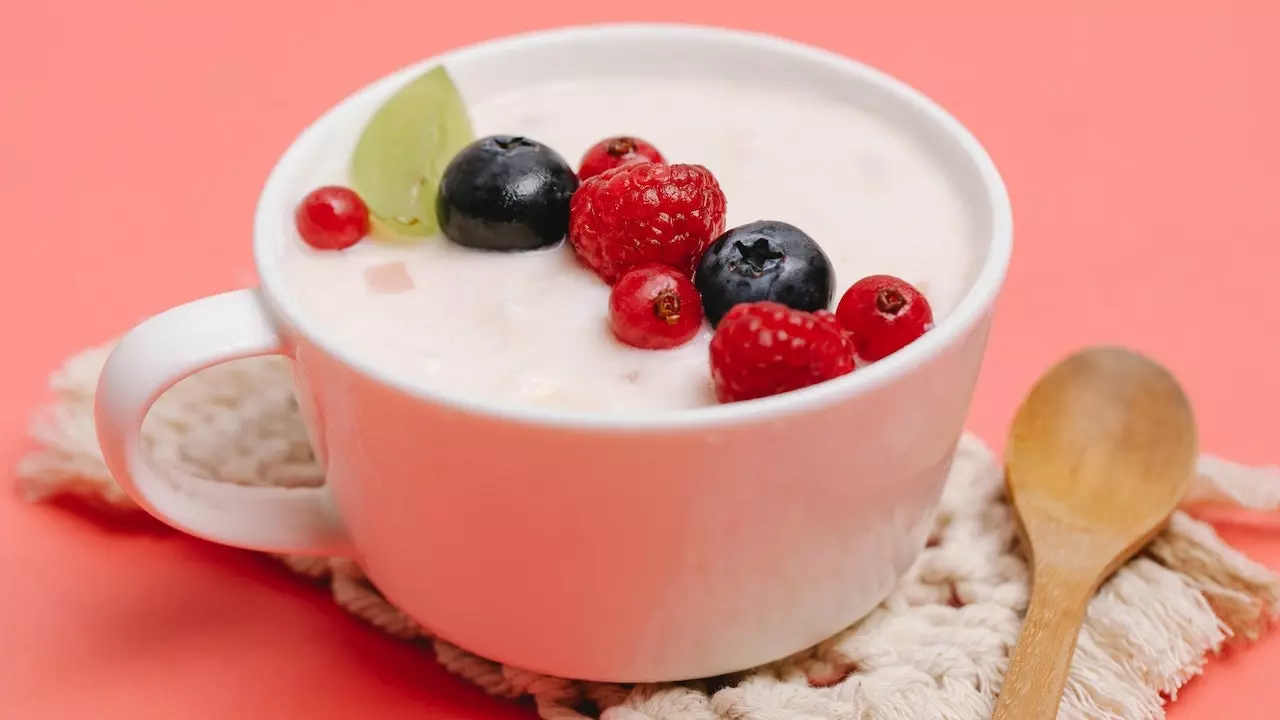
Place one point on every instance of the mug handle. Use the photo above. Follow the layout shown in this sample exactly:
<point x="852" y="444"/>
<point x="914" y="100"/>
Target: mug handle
<point x="155" y="356"/>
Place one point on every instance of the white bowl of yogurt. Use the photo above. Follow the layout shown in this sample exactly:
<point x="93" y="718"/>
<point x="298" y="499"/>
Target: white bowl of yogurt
<point x="542" y="495"/>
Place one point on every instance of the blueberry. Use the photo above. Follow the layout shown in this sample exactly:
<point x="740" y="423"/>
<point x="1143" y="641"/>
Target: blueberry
<point x="764" y="260"/>
<point x="506" y="192"/>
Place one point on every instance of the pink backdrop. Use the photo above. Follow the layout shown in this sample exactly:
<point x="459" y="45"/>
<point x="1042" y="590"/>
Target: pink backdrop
<point x="1138" y="140"/>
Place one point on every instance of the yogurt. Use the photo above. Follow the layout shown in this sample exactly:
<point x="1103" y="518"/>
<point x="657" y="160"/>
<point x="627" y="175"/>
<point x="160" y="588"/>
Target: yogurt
<point x="530" y="328"/>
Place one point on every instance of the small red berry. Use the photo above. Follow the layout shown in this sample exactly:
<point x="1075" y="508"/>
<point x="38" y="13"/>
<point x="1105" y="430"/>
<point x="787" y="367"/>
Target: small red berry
<point x="883" y="314"/>
<point x="644" y="213"/>
<point x="766" y="348"/>
<point x="612" y="152"/>
<point x="332" y="218"/>
<point x="654" y="307"/>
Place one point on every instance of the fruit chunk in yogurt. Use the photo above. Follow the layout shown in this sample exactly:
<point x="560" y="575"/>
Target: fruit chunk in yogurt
<point x="816" y="194"/>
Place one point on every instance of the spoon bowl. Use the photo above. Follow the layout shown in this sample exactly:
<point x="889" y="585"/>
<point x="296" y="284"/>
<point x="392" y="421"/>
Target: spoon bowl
<point x="1100" y="454"/>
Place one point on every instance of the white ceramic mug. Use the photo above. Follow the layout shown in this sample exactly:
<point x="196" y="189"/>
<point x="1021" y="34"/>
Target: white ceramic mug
<point x="634" y="548"/>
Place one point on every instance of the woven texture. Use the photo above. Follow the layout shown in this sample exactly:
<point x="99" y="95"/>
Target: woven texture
<point x="936" y="649"/>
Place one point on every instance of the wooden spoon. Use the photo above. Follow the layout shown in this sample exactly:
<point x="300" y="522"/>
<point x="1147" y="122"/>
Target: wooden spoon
<point x="1100" y="454"/>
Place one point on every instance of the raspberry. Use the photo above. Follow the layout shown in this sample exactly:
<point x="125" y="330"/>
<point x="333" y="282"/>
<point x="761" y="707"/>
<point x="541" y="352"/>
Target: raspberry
<point x="655" y="308"/>
<point x="883" y="314"/>
<point x="332" y="218"/>
<point x="644" y="213"/>
<point x="612" y="152"/>
<point x="766" y="348"/>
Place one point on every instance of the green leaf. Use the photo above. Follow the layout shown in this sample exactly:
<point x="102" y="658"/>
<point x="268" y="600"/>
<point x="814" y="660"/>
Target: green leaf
<point x="405" y="148"/>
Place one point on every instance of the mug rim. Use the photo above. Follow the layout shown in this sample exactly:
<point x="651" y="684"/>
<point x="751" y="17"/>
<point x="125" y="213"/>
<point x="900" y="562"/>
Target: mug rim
<point x="976" y="303"/>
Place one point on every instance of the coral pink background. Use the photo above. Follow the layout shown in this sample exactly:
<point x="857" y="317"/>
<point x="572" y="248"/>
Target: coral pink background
<point x="1139" y="140"/>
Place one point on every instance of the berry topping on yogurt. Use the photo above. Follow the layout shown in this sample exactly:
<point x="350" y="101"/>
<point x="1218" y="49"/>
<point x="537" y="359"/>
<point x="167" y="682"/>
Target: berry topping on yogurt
<point x="654" y="307"/>
<point x="506" y="192"/>
<point x="884" y="314"/>
<point x="644" y="213"/>
<point x="765" y="260"/>
<point x="614" y="151"/>
<point x="332" y="218"/>
<point x="766" y="348"/>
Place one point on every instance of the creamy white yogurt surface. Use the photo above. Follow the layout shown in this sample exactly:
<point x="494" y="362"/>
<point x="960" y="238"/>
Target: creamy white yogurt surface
<point x="530" y="328"/>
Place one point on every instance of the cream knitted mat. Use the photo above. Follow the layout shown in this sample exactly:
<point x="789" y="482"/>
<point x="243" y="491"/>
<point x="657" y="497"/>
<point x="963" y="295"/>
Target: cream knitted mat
<point x="935" y="649"/>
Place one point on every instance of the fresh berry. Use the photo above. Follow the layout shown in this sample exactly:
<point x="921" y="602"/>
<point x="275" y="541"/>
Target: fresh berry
<point x="654" y="307"/>
<point x="883" y="314"/>
<point x="766" y="348"/>
<point x="505" y="192"/>
<point x="644" y="213"/>
<point x="332" y="218"/>
<point x="612" y="152"/>
<point x="764" y="260"/>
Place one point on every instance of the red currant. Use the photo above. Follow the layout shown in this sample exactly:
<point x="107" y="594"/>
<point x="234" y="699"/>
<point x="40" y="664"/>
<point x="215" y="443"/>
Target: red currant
<point x="332" y="218"/>
<point x="654" y="307"/>
<point x="883" y="314"/>
<point x="612" y="152"/>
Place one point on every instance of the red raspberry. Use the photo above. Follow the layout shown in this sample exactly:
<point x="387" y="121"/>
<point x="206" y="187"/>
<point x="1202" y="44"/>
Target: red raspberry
<point x="612" y="152"/>
<point x="766" y="348"/>
<point x="655" y="308"/>
<point x="332" y="218"/>
<point x="645" y="213"/>
<point x="883" y="314"/>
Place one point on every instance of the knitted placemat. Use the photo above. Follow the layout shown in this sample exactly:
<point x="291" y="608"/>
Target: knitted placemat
<point x="936" y="649"/>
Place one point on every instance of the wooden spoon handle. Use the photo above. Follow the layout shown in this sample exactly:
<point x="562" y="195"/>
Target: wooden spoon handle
<point x="1037" y="675"/>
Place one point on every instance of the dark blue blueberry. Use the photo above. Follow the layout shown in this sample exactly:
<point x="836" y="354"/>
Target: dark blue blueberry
<point x="506" y="192"/>
<point x="764" y="260"/>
